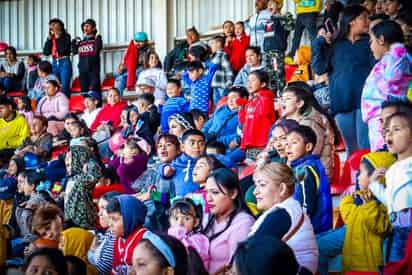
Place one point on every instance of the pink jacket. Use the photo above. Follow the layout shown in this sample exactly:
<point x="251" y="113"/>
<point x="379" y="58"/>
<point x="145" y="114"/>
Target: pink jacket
<point x="57" y="106"/>
<point x="196" y="240"/>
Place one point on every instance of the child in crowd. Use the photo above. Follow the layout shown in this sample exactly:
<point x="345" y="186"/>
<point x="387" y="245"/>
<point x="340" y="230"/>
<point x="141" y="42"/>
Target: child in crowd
<point x="179" y="123"/>
<point x="131" y="162"/>
<point x="24" y="211"/>
<point x="126" y="129"/>
<point x="181" y="169"/>
<point x="223" y="125"/>
<point x="370" y="5"/>
<point x="389" y="78"/>
<point x="257" y="115"/>
<point x="8" y="186"/>
<point x="91" y="103"/>
<point x="149" y="118"/>
<point x="199" y="79"/>
<point x="32" y="75"/>
<point x="83" y="173"/>
<point x="228" y="31"/>
<point x="47" y="225"/>
<point x="253" y="63"/>
<point x="185" y="225"/>
<point x="223" y="77"/>
<point x="300" y="105"/>
<point x="397" y="194"/>
<point x="275" y="40"/>
<point x="366" y="219"/>
<point x="236" y="48"/>
<point x="199" y="118"/>
<point x="101" y="251"/>
<point x="44" y="70"/>
<point x="24" y="108"/>
<point x="145" y="86"/>
<point x="127" y="216"/>
<point x="302" y="59"/>
<point x="174" y="104"/>
<point x="88" y="50"/>
<point x="312" y="188"/>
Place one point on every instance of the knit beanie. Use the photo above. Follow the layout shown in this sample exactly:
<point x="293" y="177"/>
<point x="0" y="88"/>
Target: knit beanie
<point x="379" y="160"/>
<point x="183" y="119"/>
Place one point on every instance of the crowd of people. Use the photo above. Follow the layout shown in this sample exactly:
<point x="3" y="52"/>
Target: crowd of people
<point x="157" y="184"/>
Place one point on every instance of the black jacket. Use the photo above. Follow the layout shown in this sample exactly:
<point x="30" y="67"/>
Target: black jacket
<point x="150" y="122"/>
<point x="63" y="45"/>
<point x="176" y="56"/>
<point x="88" y="50"/>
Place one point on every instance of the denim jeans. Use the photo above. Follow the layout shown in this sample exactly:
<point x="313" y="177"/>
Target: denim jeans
<point x="398" y="242"/>
<point x="330" y="245"/>
<point x="7" y="83"/>
<point x="120" y="81"/>
<point x="62" y="69"/>
<point x="354" y="131"/>
<point x="303" y="21"/>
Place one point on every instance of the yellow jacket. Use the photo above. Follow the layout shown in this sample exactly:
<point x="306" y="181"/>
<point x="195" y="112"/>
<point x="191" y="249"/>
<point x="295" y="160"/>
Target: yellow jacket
<point x="306" y="6"/>
<point x="14" y="132"/>
<point x="366" y="227"/>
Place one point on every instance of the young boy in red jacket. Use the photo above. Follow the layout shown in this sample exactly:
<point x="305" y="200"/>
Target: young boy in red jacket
<point x="236" y="48"/>
<point x="257" y="115"/>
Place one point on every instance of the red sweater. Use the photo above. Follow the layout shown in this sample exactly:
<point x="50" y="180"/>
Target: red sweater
<point x="109" y="113"/>
<point x="257" y="117"/>
<point x="123" y="251"/>
<point x="236" y="50"/>
<point x="130" y="61"/>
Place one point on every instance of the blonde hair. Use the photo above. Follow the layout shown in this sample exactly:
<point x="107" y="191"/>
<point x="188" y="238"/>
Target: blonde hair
<point x="277" y="173"/>
<point x="278" y="3"/>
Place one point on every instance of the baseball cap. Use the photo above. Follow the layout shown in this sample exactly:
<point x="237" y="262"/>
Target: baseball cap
<point x="93" y="94"/>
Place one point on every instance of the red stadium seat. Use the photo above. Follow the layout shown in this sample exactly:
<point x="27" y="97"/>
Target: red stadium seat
<point x="221" y="102"/>
<point x="76" y="104"/>
<point x="335" y="186"/>
<point x="351" y="167"/>
<point x="247" y="171"/>
<point x="76" y="86"/>
<point x="16" y="94"/>
<point x="107" y="83"/>
<point x="57" y="151"/>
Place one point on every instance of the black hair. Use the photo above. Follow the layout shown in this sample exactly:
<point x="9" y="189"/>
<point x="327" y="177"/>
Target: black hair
<point x="405" y="18"/>
<point x="169" y="138"/>
<point x="195" y="65"/>
<point x="45" y="66"/>
<point x="132" y="143"/>
<point x="195" y="263"/>
<point x="79" y="267"/>
<point x="212" y="162"/>
<point x="226" y="181"/>
<point x="53" y="82"/>
<point x="12" y="50"/>
<point x="147" y="98"/>
<point x="400" y="106"/>
<point x="228" y="22"/>
<point x="242" y="91"/>
<point x="261" y="75"/>
<point x="240" y="23"/>
<point x="185" y="206"/>
<point x="196" y="114"/>
<point x="84" y="130"/>
<point x="58" y="21"/>
<point x="306" y="133"/>
<point x="192" y="132"/>
<point x="263" y="255"/>
<point x="36" y="58"/>
<point x="389" y="30"/>
<point x="302" y="95"/>
<point x="109" y="195"/>
<point x="349" y="14"/>
<point x="218" y="146"/>
<point x="27" y="103"/>
<point x="381" y="16"/>
<point x="147" y="58"/>
<point x="72" y="116"/>
<point x="334" y="12"/>
<point x="53" y="255"/>
<point x="220" y="39"/>
<point x="110" y="173"/>
<point x="175" y="81"/>
<point x="5" y="100"/>
<point x="113" y="206"/>
<point x="254" y="49"/>
<point x="32" y="177"/>
<point x="194" y="30"/>
<point x="179" y="253"/>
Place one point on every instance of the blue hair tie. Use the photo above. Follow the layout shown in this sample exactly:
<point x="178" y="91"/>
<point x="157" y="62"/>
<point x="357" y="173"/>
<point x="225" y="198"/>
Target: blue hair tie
<point x="162" y="246"/>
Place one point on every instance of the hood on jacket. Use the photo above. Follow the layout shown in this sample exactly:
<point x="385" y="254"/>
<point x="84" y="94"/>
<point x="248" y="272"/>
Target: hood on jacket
<point x="133" y="213"/>
<point x="80" y="156"/>
<point x="76" y="241"/>
<point x="267" y="93"/>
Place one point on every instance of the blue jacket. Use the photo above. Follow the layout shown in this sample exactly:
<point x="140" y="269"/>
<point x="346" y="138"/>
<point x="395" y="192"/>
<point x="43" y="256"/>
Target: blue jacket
<point x="133" y="213"/>
<point x="172" y="106"/>
<point x="312" y="190"/>
<point x="348" y="65"/>
<point x="223" y="125"/>
<point x="199" y="89"/>
<point x="183" y="176"/>
<point x="8" y="187"/>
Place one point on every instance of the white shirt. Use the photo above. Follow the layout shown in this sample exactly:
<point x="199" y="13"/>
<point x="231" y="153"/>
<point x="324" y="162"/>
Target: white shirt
<point x="89" y="117"/>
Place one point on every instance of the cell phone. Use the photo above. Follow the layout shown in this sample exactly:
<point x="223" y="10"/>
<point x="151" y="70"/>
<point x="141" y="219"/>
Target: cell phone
<point x="329" y="26"/>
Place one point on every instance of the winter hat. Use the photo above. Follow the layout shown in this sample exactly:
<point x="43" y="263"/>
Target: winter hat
<point x="133" y="213"/>
<point x="146" y="81"/>
<point x="140" y="37"/>
<point x="183" y="119"/>
<point x="379" y="160"/>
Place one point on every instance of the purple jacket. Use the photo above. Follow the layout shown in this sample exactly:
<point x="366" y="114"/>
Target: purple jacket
<point x="129" y="172"/>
